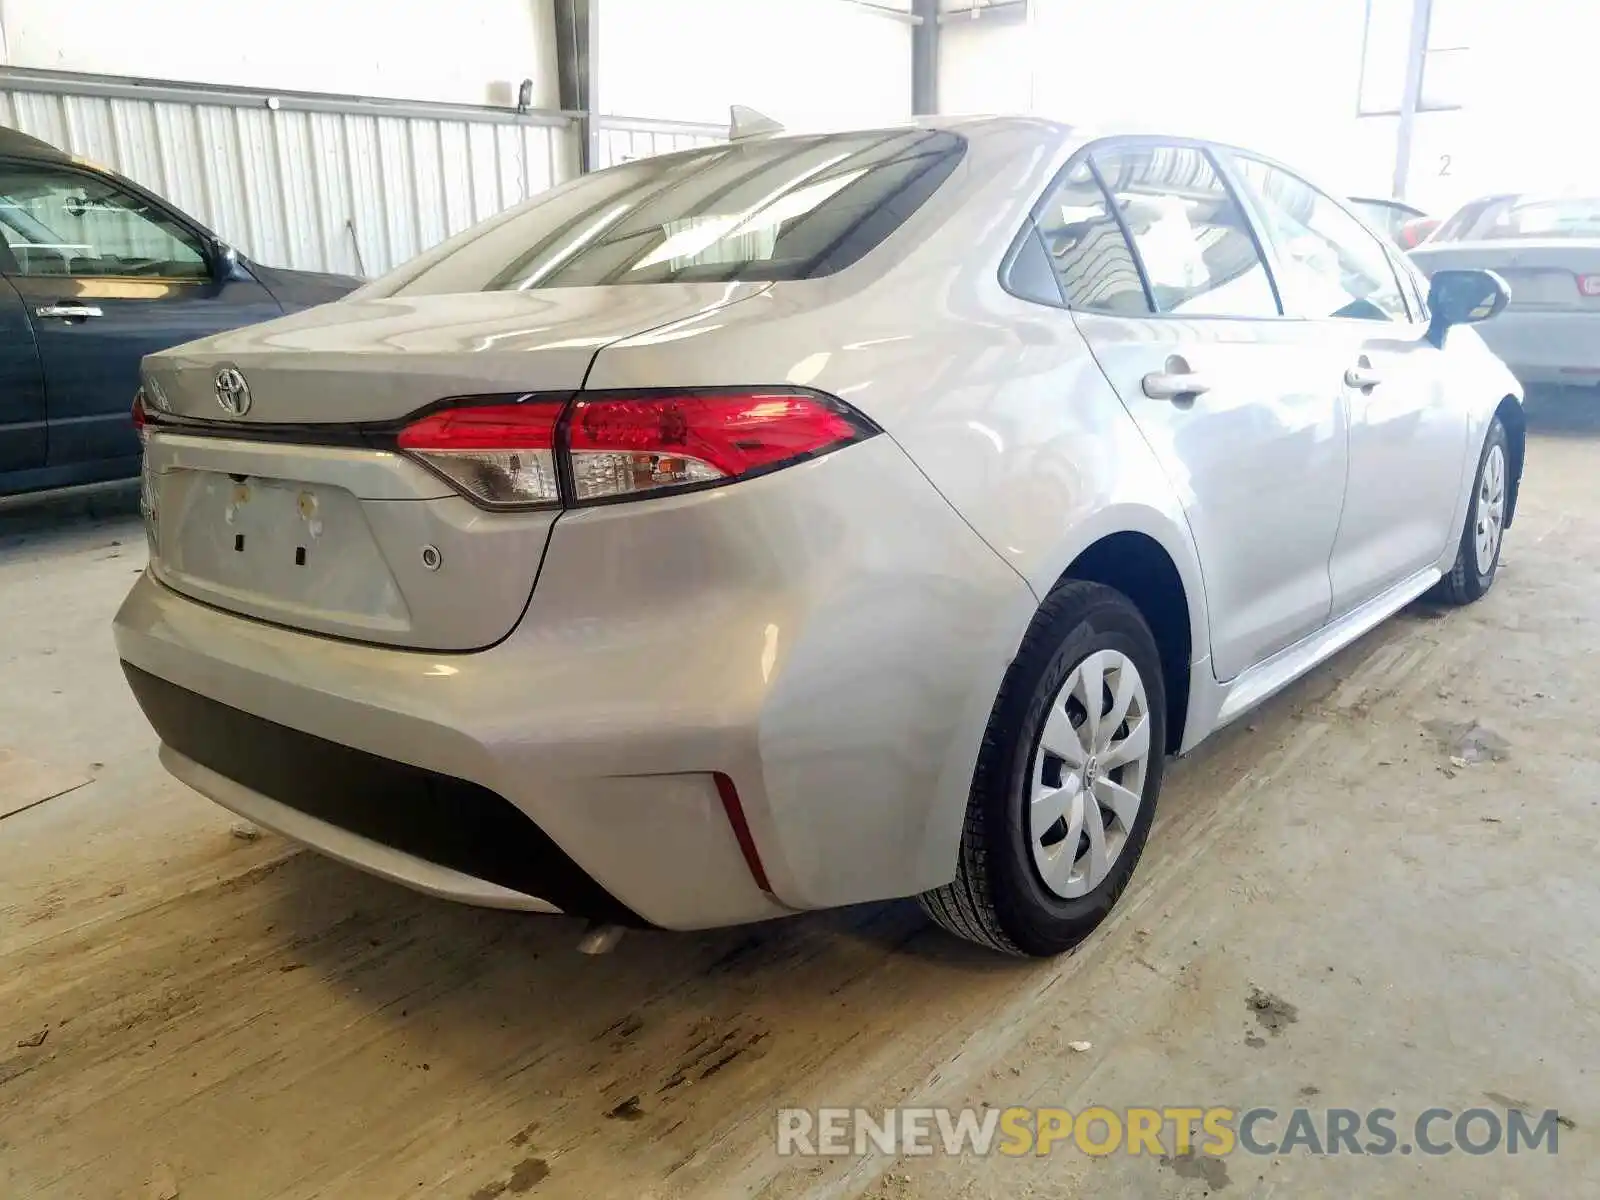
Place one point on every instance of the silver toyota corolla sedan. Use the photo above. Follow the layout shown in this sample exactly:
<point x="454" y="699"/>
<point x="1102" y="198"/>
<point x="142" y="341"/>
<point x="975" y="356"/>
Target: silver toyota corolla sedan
<point x="807" y="520"/>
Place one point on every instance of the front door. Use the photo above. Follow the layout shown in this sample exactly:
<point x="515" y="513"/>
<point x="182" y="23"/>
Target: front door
<point x="107" y="276"/>
<point x="1407" y="436"/>
<point x="1242" y="411"/>
<point x="22" y="419"/>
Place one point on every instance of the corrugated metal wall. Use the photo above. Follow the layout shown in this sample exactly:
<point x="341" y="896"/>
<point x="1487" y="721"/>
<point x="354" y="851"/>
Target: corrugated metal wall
<point x="321" y="183"/>
<point x="623" y="139"/>
<point x="324" y="184"/>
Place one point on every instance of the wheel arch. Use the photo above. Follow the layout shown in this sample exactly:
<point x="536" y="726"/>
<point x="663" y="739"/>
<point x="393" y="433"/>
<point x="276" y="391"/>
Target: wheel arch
<point x="1120" y="545"/>
<point x="1515" y="423"/>
<point x="1137" y="565"/>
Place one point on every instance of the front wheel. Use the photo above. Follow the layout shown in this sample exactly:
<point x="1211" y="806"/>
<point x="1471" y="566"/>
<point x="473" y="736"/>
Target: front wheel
<point x="1478" y="553"/>
<point x="1066" y="782"/>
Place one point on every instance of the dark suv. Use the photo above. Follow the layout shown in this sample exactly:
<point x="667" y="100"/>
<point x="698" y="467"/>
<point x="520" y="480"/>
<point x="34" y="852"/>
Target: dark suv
<point x="95" y="273"/>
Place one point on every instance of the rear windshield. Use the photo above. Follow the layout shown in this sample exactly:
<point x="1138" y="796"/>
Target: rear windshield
<point x="792" y="208"/>
<point x="1523" y="217"/>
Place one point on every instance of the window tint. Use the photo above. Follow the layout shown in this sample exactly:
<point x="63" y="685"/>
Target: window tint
<point x="1086" y="248"/>
<point x="790" y="208"/>
<point x="66" y="223"/>
<point x="1328" y="265"/>
<point x="1193" y="241"/>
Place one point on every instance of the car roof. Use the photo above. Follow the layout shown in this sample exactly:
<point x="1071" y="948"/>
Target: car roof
<point x="16" y="144"/>
<point x="980" y="126"/>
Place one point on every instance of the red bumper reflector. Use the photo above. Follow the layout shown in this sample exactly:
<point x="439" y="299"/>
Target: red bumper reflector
<point x="741" y="830"/>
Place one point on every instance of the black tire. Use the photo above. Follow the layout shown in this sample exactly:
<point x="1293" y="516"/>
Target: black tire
<point x="1465" y="583"/>
<point x="998" y="898"/>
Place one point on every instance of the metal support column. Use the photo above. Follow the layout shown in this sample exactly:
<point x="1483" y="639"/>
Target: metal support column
<point x="925" y="58"/>
<point x="1411" y="100"/>
<point x="577" y="74"/>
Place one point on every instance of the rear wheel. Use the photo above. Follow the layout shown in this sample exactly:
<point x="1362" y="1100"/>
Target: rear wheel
<point x="1478" y="554"/>
<point x="1066" y="781"/>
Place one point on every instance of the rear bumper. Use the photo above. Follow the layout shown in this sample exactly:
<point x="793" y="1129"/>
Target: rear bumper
<point x="440" y="835"/>
<point x="831" y="638"/>
<point x="1546" y="347"/>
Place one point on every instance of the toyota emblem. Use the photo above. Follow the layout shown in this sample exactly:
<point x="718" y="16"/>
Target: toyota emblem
<point x="233" y="393"/>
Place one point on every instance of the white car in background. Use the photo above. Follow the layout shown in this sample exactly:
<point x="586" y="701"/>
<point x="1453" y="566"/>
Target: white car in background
<point x="1547" y="249"/>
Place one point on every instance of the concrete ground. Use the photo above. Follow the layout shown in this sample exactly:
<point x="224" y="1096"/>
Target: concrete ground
<point x="1331" y="913"/>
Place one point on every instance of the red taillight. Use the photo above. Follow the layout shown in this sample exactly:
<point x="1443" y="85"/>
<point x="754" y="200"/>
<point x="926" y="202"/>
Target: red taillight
<point x="617" y="445"/>
<point x="1589" y="285"/>
<point x="500" y="454"/>
<point x="141" y="418"/>
<point x="625" y="445"/>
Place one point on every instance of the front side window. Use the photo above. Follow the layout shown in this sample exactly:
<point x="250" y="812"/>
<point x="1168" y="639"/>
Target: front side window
<point x="1328" y="264"/>
<point x="1196" y="248"/>
<point x="1415" y="284"/>
<point x="67" y="223"/>
<point x="1385" y="216"/>
<point x="785" y="208"/>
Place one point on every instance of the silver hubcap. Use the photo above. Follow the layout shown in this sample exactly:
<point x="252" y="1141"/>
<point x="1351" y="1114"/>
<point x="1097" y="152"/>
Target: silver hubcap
<point x="1491" y="508"/>
<point x="1089" y="768"/>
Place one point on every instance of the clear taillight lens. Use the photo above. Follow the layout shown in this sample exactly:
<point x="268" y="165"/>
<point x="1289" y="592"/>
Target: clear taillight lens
<point x="617" y="445"/>
<point x="625" y="445"/>
<point x="502" y="455"/>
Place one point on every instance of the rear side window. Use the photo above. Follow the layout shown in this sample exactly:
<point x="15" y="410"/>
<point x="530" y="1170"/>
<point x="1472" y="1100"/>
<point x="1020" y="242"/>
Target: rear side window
<point x="1192" y="239"/>
<point x="790" y="208"/>
<point x="1087" y="250"/>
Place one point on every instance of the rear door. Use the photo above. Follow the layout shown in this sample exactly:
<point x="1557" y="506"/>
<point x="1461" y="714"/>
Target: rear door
<point x="22" y="420"/>
<point x="1170" y="290"/>
<point x="1407" y="432"/>
<point x="107" y="276"/>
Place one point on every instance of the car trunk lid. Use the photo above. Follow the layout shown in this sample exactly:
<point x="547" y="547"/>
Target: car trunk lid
<point x="300" y="511"/>
<point x="364" y="361"/>
<point x="1544" y="273"/>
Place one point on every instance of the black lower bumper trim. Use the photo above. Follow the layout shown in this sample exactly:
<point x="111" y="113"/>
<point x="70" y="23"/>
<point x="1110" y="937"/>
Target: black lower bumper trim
<point x="438" y="818"/>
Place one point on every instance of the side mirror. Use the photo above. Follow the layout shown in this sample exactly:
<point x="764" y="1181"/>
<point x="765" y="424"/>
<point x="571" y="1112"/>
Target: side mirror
<point x="1464" y="298"/>
<point x="224" y="262"/>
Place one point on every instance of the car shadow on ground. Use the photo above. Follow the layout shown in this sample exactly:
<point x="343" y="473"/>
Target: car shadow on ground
<point x="40" y="521"/>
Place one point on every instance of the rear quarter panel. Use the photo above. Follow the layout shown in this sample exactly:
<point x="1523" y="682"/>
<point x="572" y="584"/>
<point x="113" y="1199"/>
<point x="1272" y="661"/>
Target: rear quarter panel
<point x="996" y="400"/>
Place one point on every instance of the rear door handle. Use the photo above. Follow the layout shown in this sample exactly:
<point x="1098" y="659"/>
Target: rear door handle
<point x="1178" y="384"/>
<point x="68" y="311"/>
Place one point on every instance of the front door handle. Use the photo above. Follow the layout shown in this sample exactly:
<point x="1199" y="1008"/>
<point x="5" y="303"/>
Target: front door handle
<point x="1176" y="382"/>
<point x="1362" y="376"/>
<point x="70" y="312"/>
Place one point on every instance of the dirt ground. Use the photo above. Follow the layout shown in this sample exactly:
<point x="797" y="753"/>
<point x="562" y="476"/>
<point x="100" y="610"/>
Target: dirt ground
<point x="1331" y="912"/>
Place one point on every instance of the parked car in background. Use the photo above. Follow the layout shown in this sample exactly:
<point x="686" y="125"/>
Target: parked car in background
<point x="1547" y="249"/>
<point x="95" y="273"/>
<point x="804" y="521"/>
<point x="1405" y="224"/>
